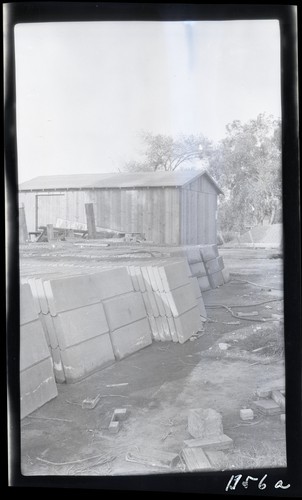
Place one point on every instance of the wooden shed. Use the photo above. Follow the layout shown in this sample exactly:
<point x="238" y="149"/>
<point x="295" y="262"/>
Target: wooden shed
<point x="168" y="207"/>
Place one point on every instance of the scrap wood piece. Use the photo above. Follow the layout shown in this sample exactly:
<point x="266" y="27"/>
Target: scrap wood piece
<point x="91" y="403"/>
<point x="279" y="399"/>
<point x="213" y="443"/>
<point x="73" y="461"/>
<point x="267" y="407"/>
<point x="155" y="458"/>
<point x="195" y="459"/>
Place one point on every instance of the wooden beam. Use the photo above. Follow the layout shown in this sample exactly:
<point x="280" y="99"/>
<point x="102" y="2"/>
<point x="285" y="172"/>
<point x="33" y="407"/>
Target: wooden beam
<point x="23" y="233"/>
<point x="90" y="220"/>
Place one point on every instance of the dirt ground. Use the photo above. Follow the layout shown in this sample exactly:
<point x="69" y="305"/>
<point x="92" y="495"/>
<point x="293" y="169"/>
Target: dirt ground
<point x="162" y="382"/>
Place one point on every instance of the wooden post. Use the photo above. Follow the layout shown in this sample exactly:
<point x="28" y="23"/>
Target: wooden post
<point x="23" y="234"/>
<point x="50" y="233"/>
<point x="90" y="220"/>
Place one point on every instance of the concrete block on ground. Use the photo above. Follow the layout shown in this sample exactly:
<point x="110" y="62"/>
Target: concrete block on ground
<point x="32" y="284"/>
<point x="133" y="275"/>
<point x="124" y="309"/>
<point x="165" y="301"/>
<point x="205" y="423"/>
<point x="112" y="283"/>
<point x="79" y="325"/>
<point x="147" y="303"/>
<point x="159" y="283"/>
<point x="154" y="329"/>
<point x="226" y="275"/>
<point x="160" y="329"/>
<point x="28" y="310"/>
<point x="267" y="407"/>
<point x="58" y="366"/>
<point x="213" y="443"/>
<point x="246" y="414"/>
<point x="187" y="324"/>
<point x="33" y="345"/>
<point x="41" y="295"/>
<point x="208" y="252"/>
<point x="160" y="304"/>
<point x="172" y="328"/>
<point x="166" y="328"/>
<point x="140" y="279"/>
<point x="173" y="275"/>
<point x="153" y="303"/>
<point x="202" y="309"/>
<point x="182" y="299"/>
<point x="152" y="278"/>
<point x="196" y="287"/>
<point x="37" y="386"/>
<point x="212" y="266"/>
<point x="146" y="278"/>
<point x="198" y="269"/>
<point x="216" y="279"/>
<point x="41" y="317"/>
<point x="49" y="322"/>
<point x="220" y="262"/>
<point x="195" y="459"/>
<point x="81" y="360"/>
<point x="204" y="283"/>
<point x="70" y="293"/>
<point x="131" y="338"/>
<point x="193" y="254"/>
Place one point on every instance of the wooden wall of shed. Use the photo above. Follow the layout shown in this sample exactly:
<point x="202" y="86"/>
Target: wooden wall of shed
<point x="198" y="213"/>
<point x="152" y="211"/>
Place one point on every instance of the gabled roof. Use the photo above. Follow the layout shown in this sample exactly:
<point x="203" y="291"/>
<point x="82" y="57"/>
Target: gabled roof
<point x="115" y="180"/>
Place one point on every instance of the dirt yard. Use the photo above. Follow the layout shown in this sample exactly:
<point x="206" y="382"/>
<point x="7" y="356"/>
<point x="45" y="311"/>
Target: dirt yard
<point x="221" y="368"/>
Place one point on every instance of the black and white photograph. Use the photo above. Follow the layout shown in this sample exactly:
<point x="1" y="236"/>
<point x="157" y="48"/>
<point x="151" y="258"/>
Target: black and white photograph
<point x="151" y="247"/>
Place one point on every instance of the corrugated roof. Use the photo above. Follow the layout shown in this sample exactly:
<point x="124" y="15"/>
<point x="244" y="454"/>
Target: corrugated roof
<point x="114" y="180"/>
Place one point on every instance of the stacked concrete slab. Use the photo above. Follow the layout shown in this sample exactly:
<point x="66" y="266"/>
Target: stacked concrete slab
<point x="37" y="381"/>
<point x="170" y="300"/>
<point x="206" y="266"/>
<point x="214" y="265"/>
<point x="90" y="321"/>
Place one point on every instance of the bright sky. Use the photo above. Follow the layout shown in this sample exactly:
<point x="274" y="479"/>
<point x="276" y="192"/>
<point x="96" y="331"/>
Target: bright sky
<point x="85" y="90"/>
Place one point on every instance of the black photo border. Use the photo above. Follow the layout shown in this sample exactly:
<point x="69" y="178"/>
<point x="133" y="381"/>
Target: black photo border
<point x="199" y="483"/>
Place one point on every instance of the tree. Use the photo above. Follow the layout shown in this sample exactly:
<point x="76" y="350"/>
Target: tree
<point x="164" y="153"/>
<point x="247" y="165"/>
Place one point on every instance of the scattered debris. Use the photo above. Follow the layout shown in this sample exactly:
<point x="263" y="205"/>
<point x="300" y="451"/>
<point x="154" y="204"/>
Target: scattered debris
<point x="105" y="458"/>
<point x="243" y="314"/>
<point x="118" y="385"/>
<point x="214" y="443"/>
<point x="167" y="434"/>
<point x="91" y="403"/>
<point x="231" y="322"/>
<point x="223" y="346"/>
<point x="50" y="418"/>
<point x="246" y="414"/>
<point x="118" y="415"/>
<point x="195" y="459"/>
<point x="155" y="458"/>
<point x="279" y="399"/>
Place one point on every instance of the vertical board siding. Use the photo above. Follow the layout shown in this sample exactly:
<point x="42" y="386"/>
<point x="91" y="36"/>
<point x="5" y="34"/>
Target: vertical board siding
<point x="165" y="215"/>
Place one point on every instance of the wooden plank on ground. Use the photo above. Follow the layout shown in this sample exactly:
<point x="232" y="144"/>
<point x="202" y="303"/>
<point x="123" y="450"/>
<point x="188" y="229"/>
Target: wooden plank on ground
<point x="195" y="459"/>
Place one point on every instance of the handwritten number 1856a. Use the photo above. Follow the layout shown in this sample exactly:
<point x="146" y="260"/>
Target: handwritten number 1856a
<point x="233" y="482"/>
